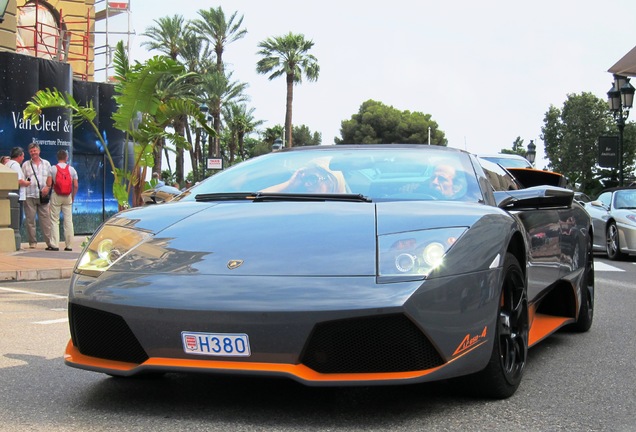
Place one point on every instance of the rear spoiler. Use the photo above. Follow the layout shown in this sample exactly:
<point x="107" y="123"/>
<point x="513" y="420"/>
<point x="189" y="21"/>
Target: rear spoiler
<point x="534" y="197"/>
<point x="532" y="177"/>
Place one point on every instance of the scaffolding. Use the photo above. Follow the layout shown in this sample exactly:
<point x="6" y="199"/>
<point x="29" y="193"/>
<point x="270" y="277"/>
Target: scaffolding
<point x="110" y="36"/>
<point x="43" y="32"/>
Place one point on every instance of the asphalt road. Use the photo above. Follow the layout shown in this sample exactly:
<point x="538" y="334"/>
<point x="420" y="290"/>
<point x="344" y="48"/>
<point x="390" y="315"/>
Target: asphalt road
<point x="573" y="382"/>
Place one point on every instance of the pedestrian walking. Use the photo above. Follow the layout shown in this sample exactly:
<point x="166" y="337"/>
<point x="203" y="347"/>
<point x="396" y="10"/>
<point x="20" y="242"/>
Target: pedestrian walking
<point x="37" y="171"/>
<point x="63" y="179"/>
<point x="15" y="163"/>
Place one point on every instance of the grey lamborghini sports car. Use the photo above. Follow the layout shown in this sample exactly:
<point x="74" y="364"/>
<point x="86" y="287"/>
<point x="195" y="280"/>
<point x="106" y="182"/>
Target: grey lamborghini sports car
<point x="338" y="265"/>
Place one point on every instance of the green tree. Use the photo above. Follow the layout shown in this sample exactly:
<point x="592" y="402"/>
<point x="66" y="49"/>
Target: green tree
<point x="270" y="134"/>
<point x="221" y="31"/>
<point x="517" y="148"/>
<point x="304" y="137"/>
<point x="288" y="56"/>
<point x="255" y="147"/>
<point x="240" y="121"/>
<point x="376" y="123"/>
<point x="198" y="58"/>
<point x="168" y="37"/>
<point x="571" y="135"/>
<point x="218" y="89"/>
<point x="140" y="114"/>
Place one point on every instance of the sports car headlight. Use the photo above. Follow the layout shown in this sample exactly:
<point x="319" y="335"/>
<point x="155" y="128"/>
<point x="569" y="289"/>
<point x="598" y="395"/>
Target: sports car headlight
<point x="415" y="253"/>
<point x="109" y="245"/>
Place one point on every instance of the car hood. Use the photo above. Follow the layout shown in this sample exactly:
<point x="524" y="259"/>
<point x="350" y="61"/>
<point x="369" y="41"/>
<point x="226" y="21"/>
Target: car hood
<point x="277" y="238"/>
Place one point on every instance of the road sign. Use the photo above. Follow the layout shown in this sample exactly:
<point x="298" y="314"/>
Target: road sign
<point x="215" y="163"/>
<point x="608" y="151"/>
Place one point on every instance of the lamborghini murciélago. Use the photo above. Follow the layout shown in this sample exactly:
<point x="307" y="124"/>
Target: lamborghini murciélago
<point x="338" y="265"/>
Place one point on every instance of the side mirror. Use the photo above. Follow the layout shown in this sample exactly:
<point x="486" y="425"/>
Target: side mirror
<point x="597" y="203"/>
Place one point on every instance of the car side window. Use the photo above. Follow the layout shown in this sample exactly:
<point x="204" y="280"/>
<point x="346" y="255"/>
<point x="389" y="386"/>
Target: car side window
<point x="499" y="178"/>
<point x="605" y="198"/>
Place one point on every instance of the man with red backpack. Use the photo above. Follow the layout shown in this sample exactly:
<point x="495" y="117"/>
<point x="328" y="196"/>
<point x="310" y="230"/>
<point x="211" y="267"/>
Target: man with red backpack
<point x="63" y="178"/>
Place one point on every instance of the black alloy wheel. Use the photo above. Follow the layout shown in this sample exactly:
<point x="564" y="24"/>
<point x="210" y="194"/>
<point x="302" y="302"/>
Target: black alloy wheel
<point x="586" y="313"/>
<point x="502" y="376"/>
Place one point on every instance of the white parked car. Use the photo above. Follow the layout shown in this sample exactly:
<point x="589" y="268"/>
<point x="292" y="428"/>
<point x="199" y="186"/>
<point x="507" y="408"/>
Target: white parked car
<point x="614" y="220"/>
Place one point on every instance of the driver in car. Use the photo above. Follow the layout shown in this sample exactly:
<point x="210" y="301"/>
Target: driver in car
<point x="312" y="179"/>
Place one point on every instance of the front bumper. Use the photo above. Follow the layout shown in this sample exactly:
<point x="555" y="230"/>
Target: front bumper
<point x="319" y="331"/>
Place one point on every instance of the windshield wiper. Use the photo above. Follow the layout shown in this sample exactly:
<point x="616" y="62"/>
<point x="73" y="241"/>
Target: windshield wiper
<point x="233" y="196"/>
<point x="264" y="196"/>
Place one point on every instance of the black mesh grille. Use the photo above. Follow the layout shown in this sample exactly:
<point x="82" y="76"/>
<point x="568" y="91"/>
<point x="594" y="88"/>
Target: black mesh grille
<point x="390" y="343"/>
<point x="104" y="335"/>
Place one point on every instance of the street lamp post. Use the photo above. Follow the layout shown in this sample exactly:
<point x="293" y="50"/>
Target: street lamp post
<point x="204" y="135"/>
<point x="620" y="99"/>
<point x="531" y="154"/>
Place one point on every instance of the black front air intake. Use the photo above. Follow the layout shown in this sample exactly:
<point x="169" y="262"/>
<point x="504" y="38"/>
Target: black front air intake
<point x="104" y="335"/>
<point x="388" y="343"/>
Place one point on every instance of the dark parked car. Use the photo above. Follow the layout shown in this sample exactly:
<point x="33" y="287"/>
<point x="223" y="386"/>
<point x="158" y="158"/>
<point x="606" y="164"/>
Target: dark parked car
<point x="338" y="265"/>
<point x="160" y="194"/>
<point x="614" y="218"/>
<point x="582" y="197"/>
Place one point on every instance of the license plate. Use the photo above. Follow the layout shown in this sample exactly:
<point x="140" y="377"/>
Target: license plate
<point x="216" y="344"/>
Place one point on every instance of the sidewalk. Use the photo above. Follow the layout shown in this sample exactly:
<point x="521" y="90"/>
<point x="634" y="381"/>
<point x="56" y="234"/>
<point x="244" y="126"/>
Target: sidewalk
<point x="39" y="264"/>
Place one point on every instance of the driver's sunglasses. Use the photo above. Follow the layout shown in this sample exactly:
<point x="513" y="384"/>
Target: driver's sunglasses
<point x="311" y="179"/>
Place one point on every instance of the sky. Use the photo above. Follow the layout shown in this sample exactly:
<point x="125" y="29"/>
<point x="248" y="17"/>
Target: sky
<point x="486" y="71"/>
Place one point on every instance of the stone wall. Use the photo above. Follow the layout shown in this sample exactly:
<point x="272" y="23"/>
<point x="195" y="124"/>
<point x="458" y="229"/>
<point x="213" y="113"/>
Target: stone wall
<point x="8" y="183"/>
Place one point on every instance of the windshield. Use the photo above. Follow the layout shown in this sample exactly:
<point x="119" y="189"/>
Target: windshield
<point x="509" y="162"/>
<point x="625" y="199"/>
<point x="375" y="173"/>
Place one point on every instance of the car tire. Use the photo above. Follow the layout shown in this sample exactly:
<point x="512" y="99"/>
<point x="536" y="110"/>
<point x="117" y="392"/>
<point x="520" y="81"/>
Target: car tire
<point x="586" y="314"/>
<point x="502" y="376"/>
<point x="612" y="242"/>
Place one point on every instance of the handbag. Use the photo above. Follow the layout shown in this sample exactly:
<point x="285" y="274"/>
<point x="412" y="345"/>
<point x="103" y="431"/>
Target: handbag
<point x="44" y="199"/>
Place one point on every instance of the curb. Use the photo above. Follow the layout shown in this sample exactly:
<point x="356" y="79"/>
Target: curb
<point x="35" y="275"/>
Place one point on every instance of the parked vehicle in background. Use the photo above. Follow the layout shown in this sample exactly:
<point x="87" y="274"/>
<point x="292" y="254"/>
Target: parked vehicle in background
<point x="614" y="220"/>
<point x="159" y="194"/>
<point x="582" y="197"/>
<point x="508" y="160"/>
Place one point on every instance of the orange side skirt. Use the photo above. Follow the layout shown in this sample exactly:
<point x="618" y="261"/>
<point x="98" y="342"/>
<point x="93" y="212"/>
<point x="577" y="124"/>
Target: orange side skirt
<point x="544" y="325"/>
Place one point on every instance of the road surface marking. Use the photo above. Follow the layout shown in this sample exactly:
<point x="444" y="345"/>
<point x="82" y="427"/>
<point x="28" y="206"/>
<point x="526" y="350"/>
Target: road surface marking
<point x="31" y="292"/>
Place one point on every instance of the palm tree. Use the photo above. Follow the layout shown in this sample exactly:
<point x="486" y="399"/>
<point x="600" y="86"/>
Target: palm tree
<point x="221" y="32"/>
<point x="171" y="88"/>
<point x="167" y="37"/>
<point x="195" y="52"/>
<point x="219" y="90"/>
<point x="288" y="55"/>
<point x="240" y="121"/>
<point x="198" y="58"/>
<point x="140" y="114"/>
